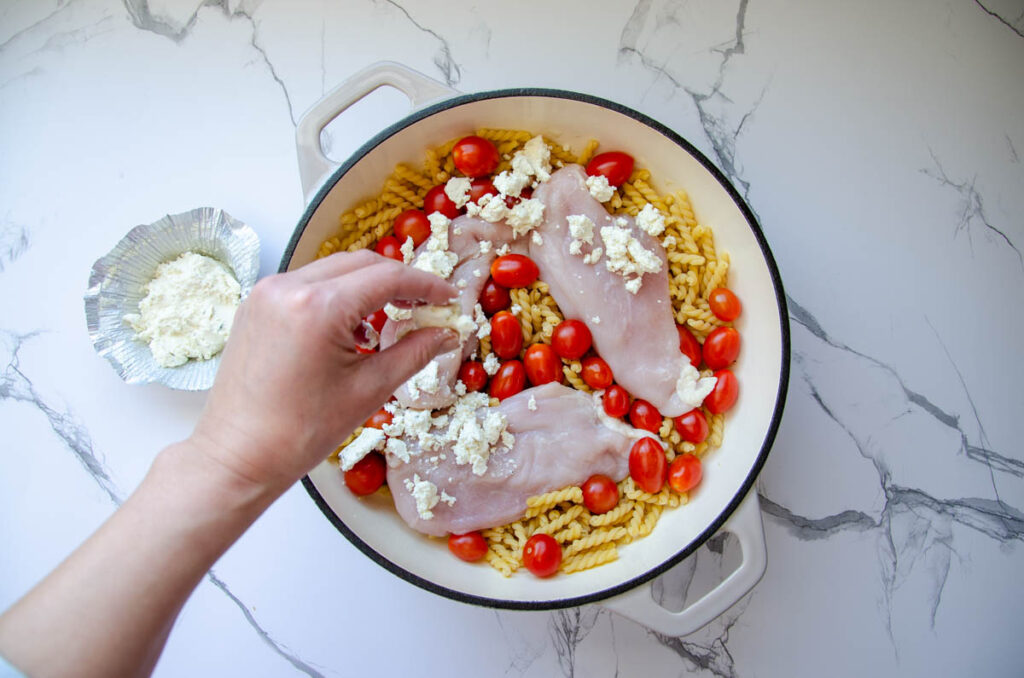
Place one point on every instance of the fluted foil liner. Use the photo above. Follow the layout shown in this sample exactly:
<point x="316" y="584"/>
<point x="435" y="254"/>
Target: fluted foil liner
<point x="117" y="281"/>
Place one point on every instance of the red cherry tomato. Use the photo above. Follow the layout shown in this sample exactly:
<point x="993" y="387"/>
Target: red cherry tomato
<point x="684" y="473"/>
<point x="470" y="547"/>
<point x="478" y="188"/>
<point x="725" y="304"/>
<point x="596" y="373"/>
<point x="508" y="381"/>
<point x="725" y="393"/>
<point x="472" y="374"/>
<point x="542" y="555"/>
<point x="413" y="224"/>
<point x="494" y="297"/>
<point x="571" y="339"/>
<point x="506" y="335"/>
<point x="689" y="345"/>
<point x="721" y="347"/>
<point x="644" y="415"/>
<point x="615" y="166"/>
<point x="367" y="475"/>
<point x="647" y="465"/>
<point x="542" y="365"/>
<point x="514" y="270"/>
<point x="692" y="426"/>
<point x="360" y="349"/>
<point x="377" y="319"/>
<point x="436" y="200"/>
<point x="475" y="156"/>
<point x="389" y="247"/>
<point x="615" y="401"/>
<point x="378" y="419"/>
<point x="600" y="494"/>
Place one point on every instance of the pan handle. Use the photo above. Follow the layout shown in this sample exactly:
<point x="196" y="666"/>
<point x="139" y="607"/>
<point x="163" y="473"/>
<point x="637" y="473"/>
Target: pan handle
<point x="314" y="165"/>
<point x="640" y="606"/>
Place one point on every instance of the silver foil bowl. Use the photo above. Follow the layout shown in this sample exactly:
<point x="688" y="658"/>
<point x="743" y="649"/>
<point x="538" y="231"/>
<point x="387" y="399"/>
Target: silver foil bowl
<point x="117" y="280"/>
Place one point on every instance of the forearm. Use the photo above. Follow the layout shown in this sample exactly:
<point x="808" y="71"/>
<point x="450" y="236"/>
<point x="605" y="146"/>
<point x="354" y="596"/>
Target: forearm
<point x="108" y="608"/>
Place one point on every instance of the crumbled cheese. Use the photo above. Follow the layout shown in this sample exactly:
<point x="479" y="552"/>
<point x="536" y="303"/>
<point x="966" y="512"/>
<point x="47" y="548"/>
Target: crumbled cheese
<point x="457" y="230"/>
<point x="460" y="388"/>
<point x="692" y="388"/>
<point x="482" y="323"/>
<point x="594" y="256"/>
<point x="474" y="441"/>
<point x="511" y="182"/>
<point x="449" y="316"/>
<point x="462" y="284"/>
<point x="622" y="222"/>
<point x="426" y="380"/>
<point x="581" y="228"/>
<point x="600" y="188"/>
<point x="492" y="209"/>
<point x="596" y="320"/>
<point x="534" y="159"/>
<point x="188" y="309"/>
<point x="476" y="273"/>
<point x="440" y="264"/>
<point x="525" y="216"/>
<point x="395" y="313"/>
<point x="367" y="441"/>
<point x="445" y="497"/>
<point x="485" y="246"/>
<point x="457" y="190"/>
<point x="473" y="209"/>
<point x="503" y="250"/>
<point x="407" y="250"/>
<point x="413" y="424"/>
<point x="515" y="309"/>
<point x="651" y="220"/>
<point x="531" y="404"/>
<point x="669" y="242"/>
<point x="439" y="224"/>
<point x="491" y="364"/>
<point x="425" y="494"/>
<point x="627" y="257"/>
<point x="397" y="448"/>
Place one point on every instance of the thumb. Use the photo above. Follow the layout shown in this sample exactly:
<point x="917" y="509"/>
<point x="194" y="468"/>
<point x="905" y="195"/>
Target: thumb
<point x="411" y="354"/>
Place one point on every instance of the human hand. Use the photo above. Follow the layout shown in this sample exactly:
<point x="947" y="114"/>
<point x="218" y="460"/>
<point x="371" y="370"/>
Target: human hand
<point x="291" y="385"/>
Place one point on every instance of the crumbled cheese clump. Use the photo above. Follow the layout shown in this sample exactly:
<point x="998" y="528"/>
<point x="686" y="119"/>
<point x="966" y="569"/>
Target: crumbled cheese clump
<point x="511" y="183"/>
<point x="407" y="250"/>
<point x="651" y="220"/>
<point x="450" y="317"/>
<point x="515" y="309"/>
<point x="594" y="256"/>
<point x="669" y="242"/>
<point x="627" y="257"/>
<point x="395" y="313"/>
<point x="531" y="404"/>
<point x="435" y="258"/>
<point x="581" y="228"/>
<point x="596" y="320"/>
<point x="491" y="364"/>
<point x="692" y="388"/>
<point x="426" y="380"/>
<point x="188" y="309"/>
<point x="533" y="160"/>
<point x="492" y="209"/>
<point x="482" y="323"/>
<point x="485" y="246"/>
<point x="525" y="216"/>
<point x="457" y="190"/>
<point x="503" y="250"/>
<point x="425" y="494"/>
<point x="600" y="188"/>
<point x="369" y="440"/>
<point x="475" y="440"/>
<point x="537" y="238"/>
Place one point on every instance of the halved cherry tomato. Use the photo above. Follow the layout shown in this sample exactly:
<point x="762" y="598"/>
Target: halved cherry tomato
<point x="692" y="426"/>
<point x="542" y="555"/>
<point x="724" y="304"/>
<point x="644" y="415"/>
<point x="508" y="381"/>
<point x="469" y="547"/>
<point x="472" y="374"/>
<point x="480" y="187"/>
<point x="571" y="339"/>
<point x="647" y="465"/>
<point x="684" y="473"/>
<point x="367" y="475"/>
<point x="721" y="347"/>
<point x="596" y="373"/>
<point x="600" y="493"/>
<point x="514" y="270"/>
<point x="377" y="319"/>
<point x="412" y="224"/>
<point x="378" y="419"/>
<point x="725" y="393"/>
<point x="542" y="365"/>
<point x="506" y="335"/>
<point x="436" y="200"/>
<point x="689" y="345"/>
<point x="389" y="247"/>
<point x="475" y="156"/>
<point x="615" y="166"/>
<point x="494" y="297"/>
<point x="615" y="401"/>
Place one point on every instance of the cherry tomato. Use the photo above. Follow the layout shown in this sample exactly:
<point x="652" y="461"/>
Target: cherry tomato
<point x="377" y="319"/>
<point x="542" y="555"/>
<point x="615" y="401"/>
<point x="721" y="347"/>
<point x="542" y="365"/>
<point x="644" y="415"/>
<point x="389" y="247"/>
<point x="506" y="335"/>
<point x="684" y="473"/>
<point x="470" y="547"/>
<point x="600" y="494"/>
<point x="615" y="166"/>
<point x="478" y="188"/>
<point x="378" y="419"/>
<point x="725" y="304"/>
<point x="367" y="475"/>
<point x="413" y="224"/>
<point x="472" y="374"/>
<point x="692" y="426"/>
<point x="494" y="297"/>
<point x="596" y="373"/>
<point x="689" y="345"/>
<point x="571" y="339"/>
<point x="514" y="270"/>
<point x="436" y="200"/>
<point x="475" y="156"/>
<point x="508" y="381"/>
<point x="360" y="349"/>
<point x="725" y="393"/>
<point x="647" y="465"/>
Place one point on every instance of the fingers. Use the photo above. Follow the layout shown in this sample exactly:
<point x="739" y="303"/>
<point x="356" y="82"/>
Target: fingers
<point x="335" y="265"/>
<point x="398" y="363"/>
<point x="370" y="287"/>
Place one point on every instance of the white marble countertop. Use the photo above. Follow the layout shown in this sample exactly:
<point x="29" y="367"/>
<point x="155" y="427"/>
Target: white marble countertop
<point x="880" y="146"/>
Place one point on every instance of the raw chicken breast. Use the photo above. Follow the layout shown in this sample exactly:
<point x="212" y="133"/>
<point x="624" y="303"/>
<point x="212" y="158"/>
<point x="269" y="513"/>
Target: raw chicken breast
<point x="562" y="442"/>
<point x="635" y="333"/>
<point x="464" y="237"/>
